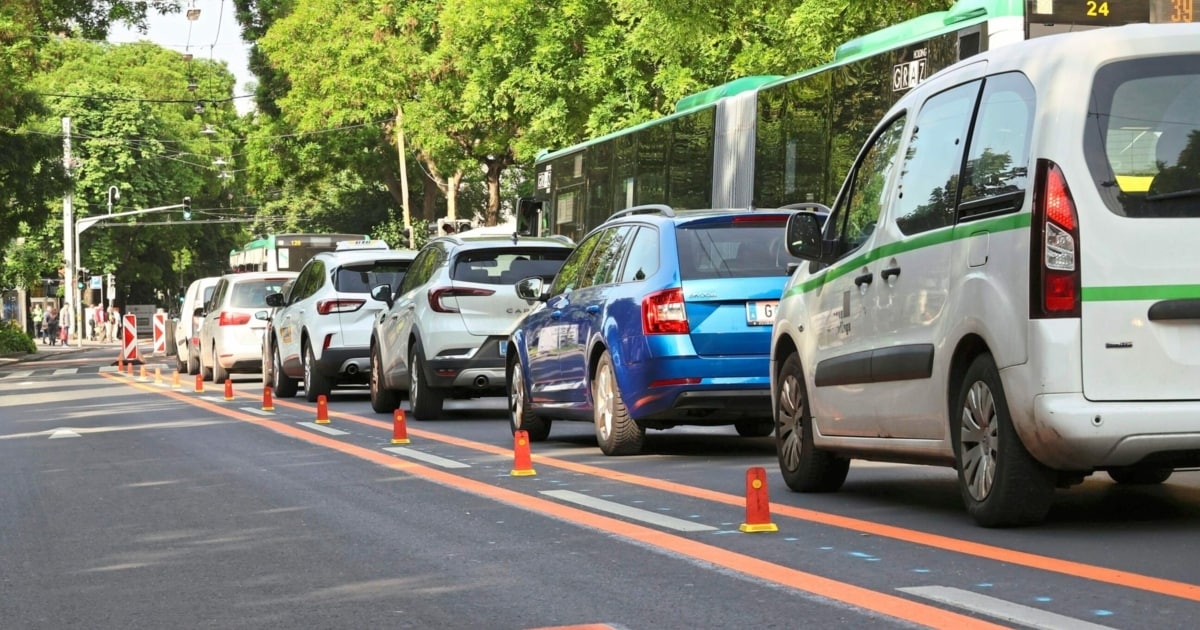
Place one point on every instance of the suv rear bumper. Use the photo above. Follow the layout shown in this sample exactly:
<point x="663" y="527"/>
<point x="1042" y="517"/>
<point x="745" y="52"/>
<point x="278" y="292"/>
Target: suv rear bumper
<point x="482" y="372"/>
<point x="345" y="363"/>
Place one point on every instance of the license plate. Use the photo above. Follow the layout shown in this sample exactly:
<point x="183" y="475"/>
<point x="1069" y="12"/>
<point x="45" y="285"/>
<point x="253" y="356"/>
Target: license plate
<point x="761" y="313"/>
<point x="503" y="348"/>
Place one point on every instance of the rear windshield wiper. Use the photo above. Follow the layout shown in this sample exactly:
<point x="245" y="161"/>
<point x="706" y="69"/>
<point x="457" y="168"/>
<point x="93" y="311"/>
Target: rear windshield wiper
<point x="1175" y="194"/>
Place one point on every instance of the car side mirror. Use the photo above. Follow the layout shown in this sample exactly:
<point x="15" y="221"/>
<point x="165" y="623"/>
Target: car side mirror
<point x="803" y="236"/>
<point x="263" y="316"/>
<point x="275" y="300"/>
<point x="532" y="289"/>
<point x="383" y="293"/>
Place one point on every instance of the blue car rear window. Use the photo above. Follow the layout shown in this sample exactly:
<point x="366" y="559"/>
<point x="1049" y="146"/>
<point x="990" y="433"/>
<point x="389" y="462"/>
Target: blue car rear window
<point x="732" y="250"/>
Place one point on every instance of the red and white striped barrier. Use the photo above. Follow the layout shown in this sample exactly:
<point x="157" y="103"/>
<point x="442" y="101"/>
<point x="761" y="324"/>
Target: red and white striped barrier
<point x="129" y="342"/>
<point x="160" y="334"/>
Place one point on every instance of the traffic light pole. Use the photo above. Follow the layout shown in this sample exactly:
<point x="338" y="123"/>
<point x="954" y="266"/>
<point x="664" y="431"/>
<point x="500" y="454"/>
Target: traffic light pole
<point x="82" y="225"/>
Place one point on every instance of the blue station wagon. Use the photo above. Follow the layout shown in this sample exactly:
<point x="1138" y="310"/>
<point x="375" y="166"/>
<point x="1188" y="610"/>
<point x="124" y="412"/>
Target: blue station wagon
<point x="659" y="318"/>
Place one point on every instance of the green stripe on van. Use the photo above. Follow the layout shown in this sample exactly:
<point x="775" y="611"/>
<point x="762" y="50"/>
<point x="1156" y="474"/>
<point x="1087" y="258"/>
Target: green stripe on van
<point x="928" y="239"/>
<point x="1134" y="293"/>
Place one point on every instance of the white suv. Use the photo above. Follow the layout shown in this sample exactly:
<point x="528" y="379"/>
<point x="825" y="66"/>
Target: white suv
<point x="320" y="336"/>
<point x="446" y="328"/>
<point x="1007" y="283"/>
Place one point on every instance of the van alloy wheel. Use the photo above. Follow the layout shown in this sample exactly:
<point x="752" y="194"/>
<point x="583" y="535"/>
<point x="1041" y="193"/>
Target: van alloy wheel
<point x="804" y="467"/>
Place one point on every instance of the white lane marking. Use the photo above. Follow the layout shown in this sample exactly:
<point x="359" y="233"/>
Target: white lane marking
<point x="107" y="369"/>
<point x="323" y="429"/>
<point x="62" y="371"/>
<point x="213" y="399"/>
<point x="637" y="514"/>
<point x="426" y="457"/>
<point x="63" y="433"/>
<point x="21" y="374"/>
<point x="1001" y="609"/>
<point x="258" y="411"/>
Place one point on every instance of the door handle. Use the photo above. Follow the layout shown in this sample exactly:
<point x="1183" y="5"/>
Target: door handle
<point x="889" y="273"/>
<point x="864" y="279"/>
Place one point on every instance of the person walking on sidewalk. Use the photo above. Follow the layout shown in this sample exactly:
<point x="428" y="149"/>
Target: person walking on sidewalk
<point x="50" y="325"/>
<point x="38" y="316"/>
<point x="99" y="315"/>
<point x="65" y="320"/>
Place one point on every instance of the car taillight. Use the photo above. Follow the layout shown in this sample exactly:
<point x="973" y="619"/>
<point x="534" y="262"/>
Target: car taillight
<point x="663" y="313"/>
<point x="1054" y="269"/>
<point x="325" y="307"/>
<point x="229" y="318"/>
<point x="437" y="295"/>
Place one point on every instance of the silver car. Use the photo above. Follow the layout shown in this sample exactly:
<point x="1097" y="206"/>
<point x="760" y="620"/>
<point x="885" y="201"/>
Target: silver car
<point x="233" y="323"/>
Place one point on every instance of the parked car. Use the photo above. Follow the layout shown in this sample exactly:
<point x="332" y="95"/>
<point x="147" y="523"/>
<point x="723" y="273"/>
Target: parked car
<point x="234" y="319"/>
<point x="1007" y="281"/>
<point x="187" y="329"/>
<point x="446" y="326"/>
<point x="660" y="318"/>
<point x="320" y="333"/>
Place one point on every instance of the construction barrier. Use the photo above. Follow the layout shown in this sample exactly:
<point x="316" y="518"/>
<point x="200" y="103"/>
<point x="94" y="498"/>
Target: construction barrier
<point x="129" y="351"/>
<point x="160" y="334"/>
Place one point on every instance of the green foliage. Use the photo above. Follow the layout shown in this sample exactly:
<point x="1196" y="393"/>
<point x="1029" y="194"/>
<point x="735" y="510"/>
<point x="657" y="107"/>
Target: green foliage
<point x="14" y="339"/>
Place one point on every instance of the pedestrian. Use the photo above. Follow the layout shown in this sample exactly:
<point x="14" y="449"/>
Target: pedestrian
<point x="38" y="316"/>
<point x="50" y="326"/>
<point x="99" y="315"/>
<point x="113" y="325"/>
<point x="64" y="323"/>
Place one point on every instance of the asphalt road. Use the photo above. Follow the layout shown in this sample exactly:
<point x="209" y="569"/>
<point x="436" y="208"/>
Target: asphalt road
<point x="134" y="504"/>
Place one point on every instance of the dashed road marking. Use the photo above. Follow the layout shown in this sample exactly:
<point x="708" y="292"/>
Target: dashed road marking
<point x="426" y="457"/>
<point x="323" y="429"/>
<point x="1001" y="609"/>
<point x="258" y="411"/>
<point x="637" y="514"/>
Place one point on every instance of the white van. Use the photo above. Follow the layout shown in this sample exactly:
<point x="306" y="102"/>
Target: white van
<point x="1009" y="280"/>
<point x="187" y="329"/>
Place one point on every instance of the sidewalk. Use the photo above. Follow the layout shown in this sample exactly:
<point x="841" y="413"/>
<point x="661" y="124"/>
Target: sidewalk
<point x="47" y="351"/>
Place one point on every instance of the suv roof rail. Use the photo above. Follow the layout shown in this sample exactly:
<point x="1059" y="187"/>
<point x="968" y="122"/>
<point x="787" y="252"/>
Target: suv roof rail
<point x="665" y="210"/>
<point x="566" y="240"/>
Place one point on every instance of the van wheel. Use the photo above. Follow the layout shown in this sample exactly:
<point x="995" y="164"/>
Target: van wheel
<point x="754" y="428"/>
<point x="520" y="416"/>
<point x="219" y="374"/>
<point x="315" y="383"/>
<point x="805" y="468"/>
<point x="1140" y="475"/>
<point x="426" y="401"/>
<point x="1001" y="483"/>
<point x="206" y="372"/>
<point x="616" y="432"/>
<point x="383" y="400"/>
<point x="283" y="385"/>
<point x="193" y="363"/>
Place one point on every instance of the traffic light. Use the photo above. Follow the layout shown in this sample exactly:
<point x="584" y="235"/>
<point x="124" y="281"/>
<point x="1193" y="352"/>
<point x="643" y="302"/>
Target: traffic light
<point x="187" y="208"/>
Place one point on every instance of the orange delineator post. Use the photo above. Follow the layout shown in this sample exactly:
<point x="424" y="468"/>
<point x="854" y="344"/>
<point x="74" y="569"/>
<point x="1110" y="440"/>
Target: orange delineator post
<point x="522" y="459"/>
<point x="175" y="380"/>
<point x="758" y="504"/>
<point x="199" y="383"/>
<point x="129" y="369"/>
<point x="322" y="410"/>
<point x="268" y="404"/>
<point x="228" y="389"/>
<point x="142" y="374"/>
<point x="158" y="375"/>
<point x="399" y="430"/>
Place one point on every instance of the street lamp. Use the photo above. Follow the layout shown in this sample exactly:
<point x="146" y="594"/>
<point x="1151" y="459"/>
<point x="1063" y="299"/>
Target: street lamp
<point x="114" y="194"/>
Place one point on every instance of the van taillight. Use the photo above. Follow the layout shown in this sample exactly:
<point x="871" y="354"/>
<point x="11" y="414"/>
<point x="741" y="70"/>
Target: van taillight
<point x="1054" y="268"/>
<point x="663" y="313"/>
<point x="233" y="318"/>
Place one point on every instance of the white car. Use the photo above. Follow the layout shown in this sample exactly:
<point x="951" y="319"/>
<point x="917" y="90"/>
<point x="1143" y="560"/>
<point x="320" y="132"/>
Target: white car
<point x="445" y="330"/>
<point x="320" y="335"/>
<point x="234" y="319"/>
<point x="187" y="329"/>
<point x="1007" y="283"/>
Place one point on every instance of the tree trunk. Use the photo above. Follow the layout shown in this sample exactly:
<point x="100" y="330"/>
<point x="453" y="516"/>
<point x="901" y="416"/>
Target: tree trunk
<point x="494" y="169"/>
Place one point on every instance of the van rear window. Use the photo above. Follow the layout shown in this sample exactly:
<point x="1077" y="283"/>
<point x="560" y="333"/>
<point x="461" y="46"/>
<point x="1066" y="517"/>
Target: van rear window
<point x="1143" y="141"/>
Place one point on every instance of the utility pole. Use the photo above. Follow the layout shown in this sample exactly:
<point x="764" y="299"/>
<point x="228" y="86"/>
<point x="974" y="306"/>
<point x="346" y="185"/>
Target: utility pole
<point x="404" y="176"/>
<point x="71" y="294"/>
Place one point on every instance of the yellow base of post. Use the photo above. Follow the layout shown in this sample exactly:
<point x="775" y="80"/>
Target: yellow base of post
<point x="401" y="441"/>
<point x="758" y="527"/>
<point x="528" y="472"/>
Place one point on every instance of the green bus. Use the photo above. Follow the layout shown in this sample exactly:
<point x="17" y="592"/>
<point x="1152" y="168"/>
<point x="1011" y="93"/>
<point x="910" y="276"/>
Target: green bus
<point x="774" y="141"/>
<point x="285" y="252"/>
